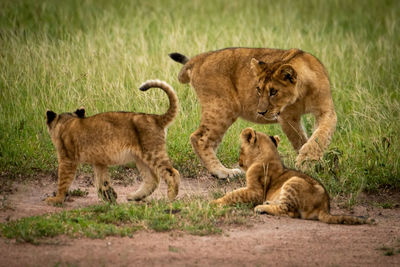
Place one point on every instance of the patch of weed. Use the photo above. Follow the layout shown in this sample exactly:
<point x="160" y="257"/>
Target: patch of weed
<point x="193" y="215"/>
<point x="78" y="193"/>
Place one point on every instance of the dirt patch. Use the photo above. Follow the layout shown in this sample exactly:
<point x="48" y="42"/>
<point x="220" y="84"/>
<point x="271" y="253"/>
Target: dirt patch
<point x="267" y="240"/>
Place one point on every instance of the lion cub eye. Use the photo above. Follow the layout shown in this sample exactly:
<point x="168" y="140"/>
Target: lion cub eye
<point x="258" y="90"/>
<point x="273" y="91"/>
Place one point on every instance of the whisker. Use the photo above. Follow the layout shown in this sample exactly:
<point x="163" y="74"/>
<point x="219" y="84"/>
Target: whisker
<point x="291" y="125"/>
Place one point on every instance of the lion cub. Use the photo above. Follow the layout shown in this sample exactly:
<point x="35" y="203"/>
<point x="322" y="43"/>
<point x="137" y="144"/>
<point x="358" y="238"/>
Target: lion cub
<point x="114" y="138"/>
<point x="285" y="192"/>
<point x="260" y="85"/>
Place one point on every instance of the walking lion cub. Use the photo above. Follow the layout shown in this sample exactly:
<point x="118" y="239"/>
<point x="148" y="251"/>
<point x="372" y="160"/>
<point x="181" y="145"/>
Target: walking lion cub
<point x="260" y="85"/>
<point x="114" y="138"/>
<point x="285" y="192"/>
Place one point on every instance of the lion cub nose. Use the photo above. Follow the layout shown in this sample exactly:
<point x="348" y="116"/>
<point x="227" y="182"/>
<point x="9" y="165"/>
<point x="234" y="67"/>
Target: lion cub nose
<point x="262" y="112"/>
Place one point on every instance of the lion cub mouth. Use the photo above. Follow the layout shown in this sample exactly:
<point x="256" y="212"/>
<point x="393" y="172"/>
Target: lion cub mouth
<point x="269" y="117"/>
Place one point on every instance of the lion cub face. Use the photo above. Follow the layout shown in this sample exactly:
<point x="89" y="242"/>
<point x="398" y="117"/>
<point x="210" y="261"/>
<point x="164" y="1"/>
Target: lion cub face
<point x="276" y="87"/>
<point x="256" y="146"/>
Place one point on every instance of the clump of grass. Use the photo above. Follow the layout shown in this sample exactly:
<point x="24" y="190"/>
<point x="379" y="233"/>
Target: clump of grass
<point x="389" y="251"/>
<point x="78" y="193"/>
<point x="195" y="216"/>
<point x="388" y="204"/>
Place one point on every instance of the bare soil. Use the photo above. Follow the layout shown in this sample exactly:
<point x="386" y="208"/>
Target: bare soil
<point x="264" y="241"/>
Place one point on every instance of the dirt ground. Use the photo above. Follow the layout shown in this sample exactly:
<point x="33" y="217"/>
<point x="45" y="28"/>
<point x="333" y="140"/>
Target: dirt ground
<point x="265" y="241"/>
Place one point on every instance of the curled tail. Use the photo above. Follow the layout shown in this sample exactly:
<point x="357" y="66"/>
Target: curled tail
<point x="167" y="118"/>
<point x="184" y="74"/>
<point x="326" y="217"/>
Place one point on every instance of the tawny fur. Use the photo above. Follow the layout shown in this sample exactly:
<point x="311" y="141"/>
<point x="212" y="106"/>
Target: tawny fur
<point x="115" y="138"/>
<point x="283" y="191"/>
<point x="226" y="83"/>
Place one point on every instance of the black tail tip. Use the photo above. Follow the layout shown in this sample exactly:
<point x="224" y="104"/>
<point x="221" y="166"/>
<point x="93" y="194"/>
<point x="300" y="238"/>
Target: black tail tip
<point x="179" y="58"/>
<point x="144" y="88"/>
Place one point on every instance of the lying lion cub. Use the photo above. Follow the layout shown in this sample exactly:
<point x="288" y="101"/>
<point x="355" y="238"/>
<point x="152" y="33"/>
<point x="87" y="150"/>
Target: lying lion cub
<point x="114" y="138"/>
<point x="285" y="192"/>
<point x="261" y="85"/>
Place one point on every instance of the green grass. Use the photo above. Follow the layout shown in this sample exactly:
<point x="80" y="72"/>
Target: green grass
<point x="193" y="215"/>
<point x="391" y="250"/>
<point x="95" y="53"/>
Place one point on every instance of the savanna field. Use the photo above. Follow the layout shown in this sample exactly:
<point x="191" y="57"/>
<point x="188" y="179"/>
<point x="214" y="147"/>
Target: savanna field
<point x="61" y="55"/>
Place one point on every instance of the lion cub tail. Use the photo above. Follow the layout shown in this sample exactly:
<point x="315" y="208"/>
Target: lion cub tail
<point x="343" y="219"/>
<point x="184" y="74"/>
<point x="167" y="118"/>
<point x="179" y="58"/>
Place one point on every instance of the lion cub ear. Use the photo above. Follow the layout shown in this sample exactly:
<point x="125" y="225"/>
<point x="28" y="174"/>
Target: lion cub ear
<point x="275" y="139"/>
<point x="50" y="115"/>
<point x="248" y="135"/>
<point x="80" y="112"/>
<point x="257" y="66"/>
<point x="286" y="73"/>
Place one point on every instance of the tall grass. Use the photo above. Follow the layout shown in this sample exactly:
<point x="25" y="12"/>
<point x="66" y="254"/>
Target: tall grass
<point x="61" y="55"/>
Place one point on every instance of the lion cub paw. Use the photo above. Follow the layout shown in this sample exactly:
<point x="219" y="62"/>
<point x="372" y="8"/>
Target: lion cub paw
<point x="226" y="173"/>
<point x="108" y="194"/>
<point x="173" y="192"/>
<point x="54" y="200"/>
<point x="305" y="162"/>
<point x="217" y="202"/>
<point x="308" y="155"/>
<point x="260" y="209"/>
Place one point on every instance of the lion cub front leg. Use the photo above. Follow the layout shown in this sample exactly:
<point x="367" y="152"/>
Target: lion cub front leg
<point x="241" y="195"/>
<point x="252" y="193"/>
<point x="66" y="174"/>
<point x="316" y="145"/>
<point x="103" y="183"/>
<point x="206" y="139"/>
<point x="293" y="129"/>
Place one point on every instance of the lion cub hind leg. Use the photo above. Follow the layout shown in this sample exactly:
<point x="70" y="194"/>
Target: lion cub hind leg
<point x="66" y="174"/>
<point x="103" y="184"/>
<point x="170" y="175"/>
<point x="163" y="167"/>
<point x="288" y="202"/>
<point x="276" y="209"/>
<point x="149" y="184"/>
<point x="172" y="178"/>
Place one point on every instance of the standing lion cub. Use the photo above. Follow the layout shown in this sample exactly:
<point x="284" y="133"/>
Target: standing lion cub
<point x="114" y="138"/>
<point x="285" y="192"/>
<point x="261" y="85"/>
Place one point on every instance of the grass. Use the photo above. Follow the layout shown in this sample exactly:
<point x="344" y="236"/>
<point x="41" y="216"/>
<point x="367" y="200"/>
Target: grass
<point x="63" y="55"/>
<point x="391" y="250"/>
<point x="193" y="215"/>
<point x="78" y="193"/>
